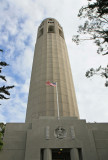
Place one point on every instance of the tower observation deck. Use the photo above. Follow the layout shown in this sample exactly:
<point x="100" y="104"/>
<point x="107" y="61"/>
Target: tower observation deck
<point x="51" y="63"/>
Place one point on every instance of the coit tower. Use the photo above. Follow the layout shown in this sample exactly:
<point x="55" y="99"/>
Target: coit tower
<point x="51" y="63"/>
<point x="45" y="135"/>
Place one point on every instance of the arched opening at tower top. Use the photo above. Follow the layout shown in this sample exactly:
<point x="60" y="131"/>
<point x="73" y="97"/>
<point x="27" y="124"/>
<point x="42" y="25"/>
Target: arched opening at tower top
<point x="51" y="29"/>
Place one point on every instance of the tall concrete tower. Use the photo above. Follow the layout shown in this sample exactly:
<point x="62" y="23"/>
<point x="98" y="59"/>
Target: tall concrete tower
<point x="44" y="136"/>
<point x="51" y="63"/>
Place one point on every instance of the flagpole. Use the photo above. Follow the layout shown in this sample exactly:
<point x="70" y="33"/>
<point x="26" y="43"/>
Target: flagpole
<point x="58" y="114"/>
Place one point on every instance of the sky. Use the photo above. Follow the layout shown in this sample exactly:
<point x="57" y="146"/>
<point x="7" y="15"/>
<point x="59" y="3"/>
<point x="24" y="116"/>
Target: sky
<point x="19" y="21"/>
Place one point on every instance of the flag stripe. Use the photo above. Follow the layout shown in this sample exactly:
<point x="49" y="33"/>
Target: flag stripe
<point x="51" y="84"/>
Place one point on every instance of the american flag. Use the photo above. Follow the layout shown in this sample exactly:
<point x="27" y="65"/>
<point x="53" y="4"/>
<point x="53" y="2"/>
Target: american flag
<point x="51" y="84"/>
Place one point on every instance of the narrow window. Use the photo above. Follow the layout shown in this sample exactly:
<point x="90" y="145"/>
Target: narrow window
<point x="51" y="29"/>
<point x="61" y="33"/>
<point x="40" y="33"/>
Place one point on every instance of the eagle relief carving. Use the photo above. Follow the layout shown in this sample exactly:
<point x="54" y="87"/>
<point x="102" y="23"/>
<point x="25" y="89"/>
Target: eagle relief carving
<point x="60" y="132"/>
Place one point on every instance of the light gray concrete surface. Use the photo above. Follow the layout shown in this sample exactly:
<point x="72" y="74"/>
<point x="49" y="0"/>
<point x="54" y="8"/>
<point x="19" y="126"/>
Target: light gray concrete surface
<point x="25" y="141"/>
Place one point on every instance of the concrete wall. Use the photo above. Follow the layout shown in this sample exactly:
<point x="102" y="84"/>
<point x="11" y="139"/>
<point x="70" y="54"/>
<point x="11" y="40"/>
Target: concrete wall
<point x="25" y="141"/>
<point x="100" y="134"/>
<point x="14" y="141"/>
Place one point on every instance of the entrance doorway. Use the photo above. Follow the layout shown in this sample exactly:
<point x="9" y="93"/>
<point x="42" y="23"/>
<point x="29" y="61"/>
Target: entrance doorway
<point x="61" y="154"/>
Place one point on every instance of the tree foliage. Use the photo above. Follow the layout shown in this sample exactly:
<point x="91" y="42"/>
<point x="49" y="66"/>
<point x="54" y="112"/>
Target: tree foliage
<point x="4" y="90"/>
<point x="2" y="130"/>
<point x="103" y="72"/>
<point x="95" y="27"/>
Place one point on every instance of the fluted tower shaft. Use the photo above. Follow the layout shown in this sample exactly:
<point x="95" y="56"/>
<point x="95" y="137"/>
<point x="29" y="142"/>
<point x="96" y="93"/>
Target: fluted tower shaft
<point x="51" y="63"/>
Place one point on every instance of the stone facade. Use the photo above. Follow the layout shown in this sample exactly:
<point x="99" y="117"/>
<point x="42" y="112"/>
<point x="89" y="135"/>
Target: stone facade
<point x="43" y="136"/>
<point x="36" y="140"/>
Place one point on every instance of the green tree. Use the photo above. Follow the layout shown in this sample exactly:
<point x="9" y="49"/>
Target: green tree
<point x="2" y="130"/>
<point x="4" y="90"/>
<point x="95" y="27"/>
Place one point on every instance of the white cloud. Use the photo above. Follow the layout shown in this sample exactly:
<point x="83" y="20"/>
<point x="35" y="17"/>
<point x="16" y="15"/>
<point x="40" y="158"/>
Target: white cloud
<point x="25" y="87"/>
<point x="22" y="66"/>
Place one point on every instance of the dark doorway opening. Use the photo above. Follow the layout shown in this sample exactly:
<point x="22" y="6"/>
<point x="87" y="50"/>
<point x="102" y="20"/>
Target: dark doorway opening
<point x="61" y="154"/>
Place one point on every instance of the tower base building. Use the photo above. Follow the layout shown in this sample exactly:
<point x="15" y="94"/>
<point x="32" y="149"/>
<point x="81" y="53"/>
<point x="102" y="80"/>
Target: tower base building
<point x="46" y="138"/>
<point x="53" y="131"/>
